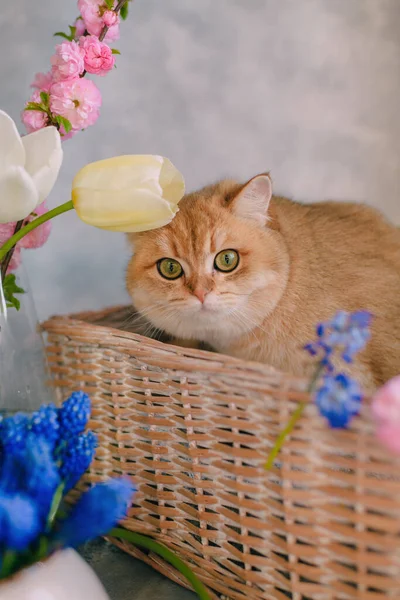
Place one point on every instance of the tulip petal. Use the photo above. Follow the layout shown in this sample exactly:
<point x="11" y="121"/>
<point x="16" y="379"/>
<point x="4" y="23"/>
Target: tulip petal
<point x="12" y="152"/>
<point x="172" y="182"/>
<point x="18" y="195"/>
<point x="43" y="158"/>
<point x="128" y="211"/>
<point x="128" y="193"/>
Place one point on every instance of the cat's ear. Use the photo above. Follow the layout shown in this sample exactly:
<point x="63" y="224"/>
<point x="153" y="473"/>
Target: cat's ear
<point x="253" y="199"/>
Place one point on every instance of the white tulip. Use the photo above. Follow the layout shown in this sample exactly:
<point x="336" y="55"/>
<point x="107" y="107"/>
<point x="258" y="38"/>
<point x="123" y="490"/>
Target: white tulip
<point x="29" y="168"/>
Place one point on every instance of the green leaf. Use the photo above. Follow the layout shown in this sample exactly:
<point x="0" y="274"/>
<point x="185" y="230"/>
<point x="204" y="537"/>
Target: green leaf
<point x="110" y="4"/>
<point x="124" y="11"/>
<point x="63" y="122"/>
<point x="63" y="35"/>
<point x="10" y="288"/>
<point x="14" y="303"/>
<point x="72" y="31"/>
<point x="44" y="96"/>
<point x="35" y="106"/>
<point x="149" y="543"/>
<point x="115" y="51"/>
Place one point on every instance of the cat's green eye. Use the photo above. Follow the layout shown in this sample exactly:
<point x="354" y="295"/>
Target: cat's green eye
<point x="169" y="268"/>
<point x="226" y="261"/>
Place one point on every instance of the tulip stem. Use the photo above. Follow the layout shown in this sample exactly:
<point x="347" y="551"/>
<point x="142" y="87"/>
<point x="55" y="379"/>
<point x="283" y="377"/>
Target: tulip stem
<point x="293" y="419"/>
<point x="10" y="243"/>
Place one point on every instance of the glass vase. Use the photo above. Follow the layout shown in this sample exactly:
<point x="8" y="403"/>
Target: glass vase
<point x="24" y="372"/>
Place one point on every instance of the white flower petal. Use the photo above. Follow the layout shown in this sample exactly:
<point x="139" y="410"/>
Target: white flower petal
<point x="43" y="159"/>
<point x="18" y="195"/>
<point x="12" y="152"/>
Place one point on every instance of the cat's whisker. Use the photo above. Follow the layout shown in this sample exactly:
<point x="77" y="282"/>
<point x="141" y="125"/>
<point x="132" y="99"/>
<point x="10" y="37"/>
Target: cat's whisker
<point x="242" y="319"/>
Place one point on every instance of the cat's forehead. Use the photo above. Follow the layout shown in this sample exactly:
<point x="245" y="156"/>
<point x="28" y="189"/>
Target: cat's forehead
<point x="197" y="237"/>
<point x="203" y="225"/>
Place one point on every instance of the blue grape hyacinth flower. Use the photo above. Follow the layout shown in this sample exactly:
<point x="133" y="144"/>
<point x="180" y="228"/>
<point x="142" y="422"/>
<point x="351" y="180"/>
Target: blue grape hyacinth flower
<point x="13" y="432"/>
<point x="338" y="399"/>
<point x="44" y="422"/>
<point x="74" y="415"/>
<point x="19" y="521"/>
<point x="98" y="511"/>
<point x="347" y="332"/>
<point x="75" y="457"/>
<point x="31" y="471"/>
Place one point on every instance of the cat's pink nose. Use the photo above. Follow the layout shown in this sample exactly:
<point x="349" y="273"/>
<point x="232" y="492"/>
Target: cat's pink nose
<point x="200" y="294"/>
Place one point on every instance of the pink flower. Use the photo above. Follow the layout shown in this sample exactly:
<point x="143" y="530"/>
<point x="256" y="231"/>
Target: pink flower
<point x="38" y="237"/>
<point x="42" y="81"/>
<point x="78" y="100"/>
<point x="79" y="28"/>
<point x="35" y="239"/>
<point x="98" y="56"/>
<point x="6" y="231"/>
<point x="34" y="119"/>
<point x="110" y="18"/>
<point x="386" y="409"/>
<point x="67" y="62"/>
<point x="389" y="436"/>
<point x="15" y="260"/>
<point x="92" y="12"/>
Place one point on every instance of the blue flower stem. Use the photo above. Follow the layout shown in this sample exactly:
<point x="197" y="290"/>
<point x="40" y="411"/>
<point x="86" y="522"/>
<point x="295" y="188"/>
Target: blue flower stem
<point x="8" y="564"/>
<point x="293" y="420"/>
<point x="14" y="239"/>
<point x="55" y="504"/>
<point x="150" y="544"/>
<point x="43" y="549"/>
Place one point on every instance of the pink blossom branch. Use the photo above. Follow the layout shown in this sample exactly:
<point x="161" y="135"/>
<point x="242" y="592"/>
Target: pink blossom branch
<point x="116" y="10"/>
<point x="103" y="33"/>
<point x="52" y="121"/>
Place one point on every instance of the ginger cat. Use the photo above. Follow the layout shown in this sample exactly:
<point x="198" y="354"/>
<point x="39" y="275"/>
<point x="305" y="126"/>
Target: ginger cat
<point x="251" y="275"/>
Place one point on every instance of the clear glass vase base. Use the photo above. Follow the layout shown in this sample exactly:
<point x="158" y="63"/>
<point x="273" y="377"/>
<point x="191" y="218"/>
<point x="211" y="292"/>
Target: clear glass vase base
<point x="24" y="372"/>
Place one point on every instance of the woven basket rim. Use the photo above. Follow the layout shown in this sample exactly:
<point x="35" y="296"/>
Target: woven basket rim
<point x="82" y="320"/>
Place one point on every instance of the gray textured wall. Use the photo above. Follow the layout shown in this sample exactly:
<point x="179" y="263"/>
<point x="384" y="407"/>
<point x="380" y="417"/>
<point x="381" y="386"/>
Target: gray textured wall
<point x="309" y="89"/>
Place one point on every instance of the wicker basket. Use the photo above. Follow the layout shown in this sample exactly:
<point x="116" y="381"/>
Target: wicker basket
<point x="194" y="429"/>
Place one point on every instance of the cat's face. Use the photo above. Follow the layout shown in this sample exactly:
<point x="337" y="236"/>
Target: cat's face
<point x="216" y="271"/>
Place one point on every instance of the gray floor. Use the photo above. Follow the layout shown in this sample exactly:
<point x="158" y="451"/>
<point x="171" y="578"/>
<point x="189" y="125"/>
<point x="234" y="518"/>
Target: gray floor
<point x="126" y="578"/>
<point x="308" y="89"/>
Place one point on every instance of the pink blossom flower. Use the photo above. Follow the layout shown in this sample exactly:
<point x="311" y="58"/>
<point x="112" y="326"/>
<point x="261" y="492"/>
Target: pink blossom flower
<point x="42" y="81"/>
<point x="78" y="100"/>
<point x="67" y="62"/>
<point x="15" y="260"/>
<point x="34" y="119"/>
<point x="39" y="236"/>
<point x="35" y="239"/>
<point x="79" y="28"/>
<point x="98" y="56"/>
<point x="110" y="18"/>
<point x="386" y="409"/>
<point x="92" y="12"/>
<point x="6" y="231"/>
